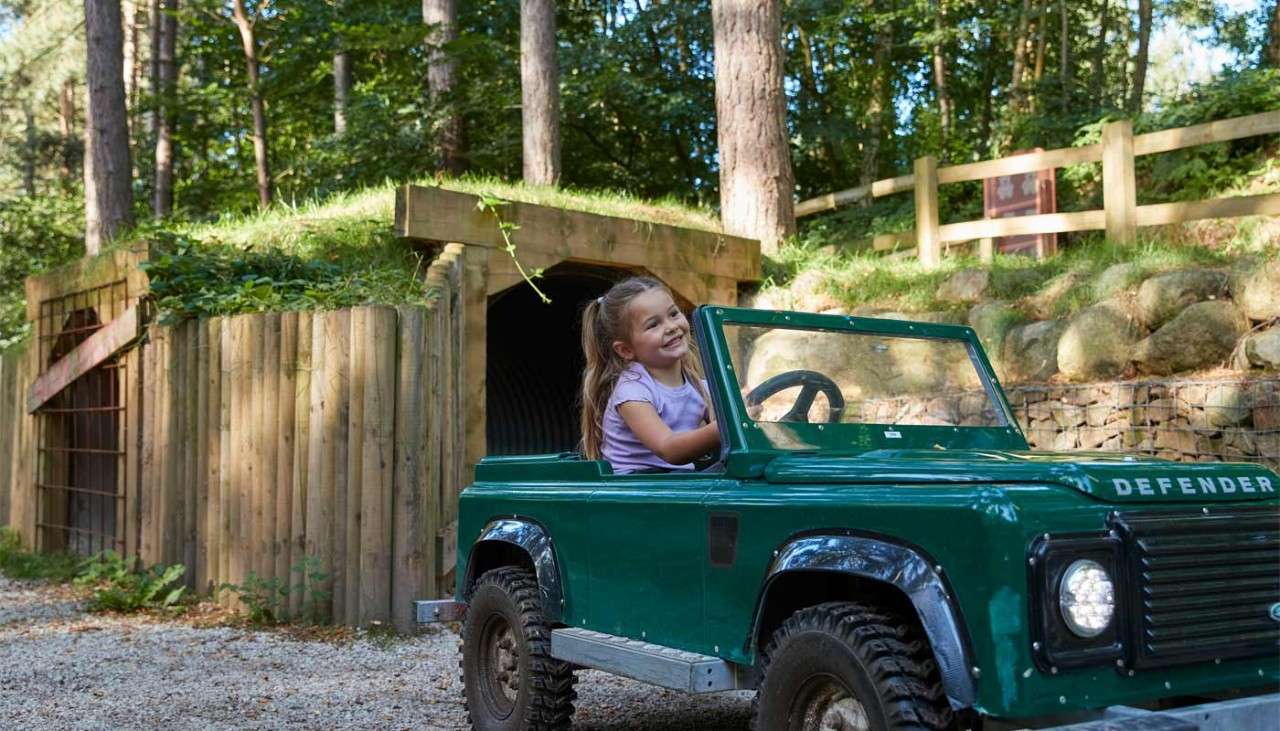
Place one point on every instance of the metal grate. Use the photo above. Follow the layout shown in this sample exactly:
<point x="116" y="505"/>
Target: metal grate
<point x="81" y="465"/>
<point x="1204" y="585"/>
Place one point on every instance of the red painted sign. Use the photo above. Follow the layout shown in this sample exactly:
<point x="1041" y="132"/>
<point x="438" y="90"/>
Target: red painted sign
<point x="1023" y="194"/>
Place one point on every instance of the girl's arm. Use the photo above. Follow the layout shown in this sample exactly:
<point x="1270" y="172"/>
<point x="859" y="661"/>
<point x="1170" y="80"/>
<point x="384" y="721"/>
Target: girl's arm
<point x="673" y="447"/>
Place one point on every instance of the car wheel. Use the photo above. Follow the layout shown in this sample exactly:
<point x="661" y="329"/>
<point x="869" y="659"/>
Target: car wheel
<point x="510" y="681"/>
<point x="844" y="666"/>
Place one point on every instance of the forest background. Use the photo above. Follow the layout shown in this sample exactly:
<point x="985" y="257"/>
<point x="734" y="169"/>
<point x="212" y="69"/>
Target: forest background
<point x="339" y="93"/>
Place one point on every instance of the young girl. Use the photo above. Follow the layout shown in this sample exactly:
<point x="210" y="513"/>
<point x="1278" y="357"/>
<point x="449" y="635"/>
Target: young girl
<point x="644" y="408"/>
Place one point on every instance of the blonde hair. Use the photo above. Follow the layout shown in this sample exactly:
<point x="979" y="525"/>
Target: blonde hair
<point x="605" y="320"/>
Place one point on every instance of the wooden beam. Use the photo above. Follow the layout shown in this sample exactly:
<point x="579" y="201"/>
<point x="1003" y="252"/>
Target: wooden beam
<point x="1119" y="186"/>
<point x="927" y="234"/>
<point x="1266" y="204"/>
<point x="831" y="201"/>
<point x="1022" y="225"/>
<point x="1016" y="164"/>
<point x="891" y="241"/>
<point x="437" y="214"/>
<point x="1202" y="134"/>
<point x="99" y="346"/>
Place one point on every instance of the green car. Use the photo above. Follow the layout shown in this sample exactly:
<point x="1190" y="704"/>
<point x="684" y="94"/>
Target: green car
<point x="875" y="548"/>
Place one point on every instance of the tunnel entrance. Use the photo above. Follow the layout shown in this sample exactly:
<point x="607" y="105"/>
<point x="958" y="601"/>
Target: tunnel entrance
<point x="534" y="363"/>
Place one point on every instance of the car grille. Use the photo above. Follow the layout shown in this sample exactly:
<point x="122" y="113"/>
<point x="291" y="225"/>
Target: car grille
<point x="1201" y="586"/>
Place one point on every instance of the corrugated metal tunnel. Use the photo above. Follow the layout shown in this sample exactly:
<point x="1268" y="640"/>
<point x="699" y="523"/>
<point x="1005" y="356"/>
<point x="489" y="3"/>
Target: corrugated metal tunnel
<point x="534" y="363"/>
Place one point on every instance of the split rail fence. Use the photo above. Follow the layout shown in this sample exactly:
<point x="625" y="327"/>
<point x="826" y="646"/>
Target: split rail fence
<point x="1120" y="216"/>
<point x="269" y="443"/>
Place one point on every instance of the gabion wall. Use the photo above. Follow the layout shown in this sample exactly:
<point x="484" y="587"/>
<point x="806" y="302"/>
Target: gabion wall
<point x="1190" y="421"/>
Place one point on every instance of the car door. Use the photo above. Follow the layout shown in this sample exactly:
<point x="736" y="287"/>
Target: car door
<point x="648" y="551"/>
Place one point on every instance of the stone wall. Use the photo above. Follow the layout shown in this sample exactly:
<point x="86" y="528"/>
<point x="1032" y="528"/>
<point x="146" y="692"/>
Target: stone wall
<point x="1189" y="421"/>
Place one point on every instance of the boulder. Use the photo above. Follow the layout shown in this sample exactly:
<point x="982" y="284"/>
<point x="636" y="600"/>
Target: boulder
<point x="966" y="285"/>
<point x="1201" y="336"/>
<point x="773" y="298"/>
<point x="1162" y="297"/>
<point x="992" y="321"/>
<point x="1030" y="352"/>
<point x="1260" y="350"/>
<point x="1116" y="279"/>
<point x="1097" y="343"/>
<point x="1225" y="404"/>
<point x="811" y="292"/>
<point x="1044" y="304"/>
<point x="1255" y="287"/>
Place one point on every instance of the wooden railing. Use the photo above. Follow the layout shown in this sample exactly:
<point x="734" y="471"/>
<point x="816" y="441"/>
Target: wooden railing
<point x="1120" y="215"/>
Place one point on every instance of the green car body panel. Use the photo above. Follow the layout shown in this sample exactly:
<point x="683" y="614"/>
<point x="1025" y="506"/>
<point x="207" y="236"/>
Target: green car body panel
<point x="633" y="555"/>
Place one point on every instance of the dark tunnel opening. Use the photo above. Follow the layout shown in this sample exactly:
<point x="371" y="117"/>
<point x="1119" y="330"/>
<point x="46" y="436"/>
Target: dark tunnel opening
<point x="534" y="361"/>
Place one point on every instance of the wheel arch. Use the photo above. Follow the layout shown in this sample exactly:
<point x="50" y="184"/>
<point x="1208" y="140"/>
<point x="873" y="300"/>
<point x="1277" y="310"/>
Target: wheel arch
<point x="522" y="542"/>
<point x="827" y="566"/>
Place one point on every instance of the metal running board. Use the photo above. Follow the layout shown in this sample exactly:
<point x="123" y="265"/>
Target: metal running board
<point x="662" y="666"/>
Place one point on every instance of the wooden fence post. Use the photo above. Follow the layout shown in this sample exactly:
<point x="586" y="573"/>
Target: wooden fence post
<point x="1119" y="189"/>
<point x="928" y="240"/>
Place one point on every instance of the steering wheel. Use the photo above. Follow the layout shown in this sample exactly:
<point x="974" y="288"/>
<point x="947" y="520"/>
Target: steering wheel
<point x="811" y="383"/>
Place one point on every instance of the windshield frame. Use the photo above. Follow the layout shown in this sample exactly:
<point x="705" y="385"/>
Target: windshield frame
<point x="743" y="437"/>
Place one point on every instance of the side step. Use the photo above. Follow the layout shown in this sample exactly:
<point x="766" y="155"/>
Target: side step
<point x="663" y="666"/>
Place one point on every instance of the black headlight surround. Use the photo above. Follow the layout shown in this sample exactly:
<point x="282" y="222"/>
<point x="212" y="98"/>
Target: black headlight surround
<point x="1054" y="644"/>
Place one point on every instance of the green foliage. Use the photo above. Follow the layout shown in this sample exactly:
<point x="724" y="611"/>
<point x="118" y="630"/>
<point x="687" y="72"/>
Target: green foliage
<point x="117" y="587"/>
<point x="491" y="205"/>
<point x="36" y="234"/>
<point x="859" y="278"/>
<point x="268" y="599"/>
<point x="17" y="563"/>
<point x="190" y="278"/>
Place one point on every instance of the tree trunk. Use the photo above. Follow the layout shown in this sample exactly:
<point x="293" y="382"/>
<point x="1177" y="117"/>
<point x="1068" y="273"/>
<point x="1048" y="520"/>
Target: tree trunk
<point x="1064" y="57"/>
<point x="1098" y="81"/>
<point x="989" y="60"/>
<point x="1273" y="36"/>
<point x="166" y="68"/>
<point x="341" y="89"/>
<point x="249" y="40"/>
<point x="878" y="102"/>
<point x="1042" y="43"/>
<point x="1140" y="61"/>
<point x="756" y="183"/>
<point x="155" y="27"/>
<point x="66" y="129"/>
<point x="540" y="92"/>
<point x="108" y="188"/>
<point x="341" y="79"/>
<point x="31" y="151"/>
<point x="449" y="142"/>
<point x="1019" y="56"/>
<point x="940" y="77"/>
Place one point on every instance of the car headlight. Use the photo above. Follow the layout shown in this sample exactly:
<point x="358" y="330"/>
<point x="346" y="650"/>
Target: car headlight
<point x="1086" y="597"/>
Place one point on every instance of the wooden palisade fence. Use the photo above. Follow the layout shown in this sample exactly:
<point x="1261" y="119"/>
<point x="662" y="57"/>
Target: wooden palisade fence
<point x="269" y="443"/>
<point x="1120" y="217"/>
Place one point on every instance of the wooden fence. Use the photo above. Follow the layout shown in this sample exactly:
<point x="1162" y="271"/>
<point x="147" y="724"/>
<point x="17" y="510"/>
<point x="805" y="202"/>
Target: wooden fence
<point x="266" y="441"/>
<point x="17" y="442"/>
<point x="1120" y="216"/>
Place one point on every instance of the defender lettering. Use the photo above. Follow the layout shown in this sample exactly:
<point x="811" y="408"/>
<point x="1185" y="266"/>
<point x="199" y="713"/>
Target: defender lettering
<point x="1124" y="487"/>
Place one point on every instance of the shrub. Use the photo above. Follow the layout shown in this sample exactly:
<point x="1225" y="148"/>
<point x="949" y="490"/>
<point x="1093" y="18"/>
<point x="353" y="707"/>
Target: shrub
<point x="117" y="588"/>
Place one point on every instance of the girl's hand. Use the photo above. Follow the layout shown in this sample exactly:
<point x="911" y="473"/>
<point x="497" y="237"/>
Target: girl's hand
<point x="672" y="447"/>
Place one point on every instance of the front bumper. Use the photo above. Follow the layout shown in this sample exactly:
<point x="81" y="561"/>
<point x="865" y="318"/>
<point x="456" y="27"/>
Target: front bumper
<point x="1255" y="713"/>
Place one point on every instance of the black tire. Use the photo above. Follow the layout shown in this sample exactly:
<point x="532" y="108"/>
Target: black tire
<point x="845" y="665"/>
<point x="510" y="681"/>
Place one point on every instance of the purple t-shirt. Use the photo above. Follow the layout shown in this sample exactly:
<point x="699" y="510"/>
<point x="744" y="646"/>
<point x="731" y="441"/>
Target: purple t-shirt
<point x="681" y="409"/>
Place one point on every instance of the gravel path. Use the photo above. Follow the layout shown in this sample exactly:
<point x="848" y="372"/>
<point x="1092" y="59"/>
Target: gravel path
<point x="61" y="668"/>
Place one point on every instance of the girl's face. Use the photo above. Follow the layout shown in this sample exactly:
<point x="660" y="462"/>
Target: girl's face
<point x="658" y="333"/>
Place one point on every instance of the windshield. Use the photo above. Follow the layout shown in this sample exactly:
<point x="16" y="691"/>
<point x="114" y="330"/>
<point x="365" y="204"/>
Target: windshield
<point x="790" y="374"/>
